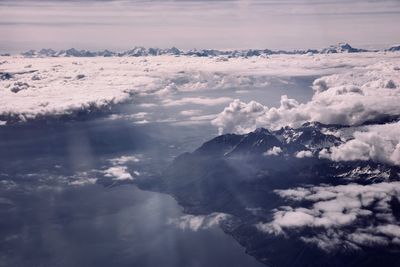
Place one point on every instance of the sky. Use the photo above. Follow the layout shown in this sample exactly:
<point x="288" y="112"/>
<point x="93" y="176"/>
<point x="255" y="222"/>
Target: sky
<point x="188" y="24"/>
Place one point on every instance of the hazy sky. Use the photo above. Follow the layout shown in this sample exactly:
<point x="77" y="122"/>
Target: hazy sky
<point x="222" y="24"/>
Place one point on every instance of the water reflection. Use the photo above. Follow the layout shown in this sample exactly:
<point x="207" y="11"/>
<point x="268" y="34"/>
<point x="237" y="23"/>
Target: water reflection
<point x="46" y="221"/>
<point x="90" y="226"/>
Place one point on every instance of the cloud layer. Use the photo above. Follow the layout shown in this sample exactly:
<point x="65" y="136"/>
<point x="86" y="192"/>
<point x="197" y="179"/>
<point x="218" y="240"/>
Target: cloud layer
<point x="342" y="217"/>
<point x="361" y="95"/>
<point x="380" y="143"/>
<point x="46" y="87"/>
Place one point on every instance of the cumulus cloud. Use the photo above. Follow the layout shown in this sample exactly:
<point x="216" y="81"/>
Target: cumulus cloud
<point x="350" y="98"/>
<point x="239" y="117"/>
<point x="118" y="173"/>
<point x="303" y="154"/>
<point x="344" y="216"/>
<point x="199" y="222"/>
<point x="380" y="143"/>
<point x="275" y="151"/>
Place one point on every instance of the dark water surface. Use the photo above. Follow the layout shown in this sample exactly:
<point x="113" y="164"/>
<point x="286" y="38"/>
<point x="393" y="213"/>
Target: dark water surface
<point x="51" y="215"/>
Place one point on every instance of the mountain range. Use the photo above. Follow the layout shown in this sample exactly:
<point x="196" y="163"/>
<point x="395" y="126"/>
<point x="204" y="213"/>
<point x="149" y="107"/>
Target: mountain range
<point x="142" y="51"/>
<point x="239" y="175"/>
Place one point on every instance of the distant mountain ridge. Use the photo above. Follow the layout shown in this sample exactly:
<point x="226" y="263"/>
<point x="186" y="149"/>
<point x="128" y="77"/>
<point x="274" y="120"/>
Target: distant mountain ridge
<point x="142" y="51"/>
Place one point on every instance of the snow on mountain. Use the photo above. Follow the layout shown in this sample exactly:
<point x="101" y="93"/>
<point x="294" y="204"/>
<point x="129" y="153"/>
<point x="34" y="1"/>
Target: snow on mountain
<point x="394" y="48"/>
<point x="142" y="51"/>
<point x="311" y="137"/>
<point x="342" y="48"/>
<point x="72" y="52"/>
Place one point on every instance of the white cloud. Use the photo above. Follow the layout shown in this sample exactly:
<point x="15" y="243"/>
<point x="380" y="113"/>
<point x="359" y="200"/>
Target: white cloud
<point x="147" y="105"/>
<point x="380" y="143"/>
<point x="199" y="222"/>
<point x="109" y="81"/>
<point x="83" y="181"/>
<point x="275" y="151"/>
<point x="81" y="178"/>
<point x="118" y="173"/>
<point x="239" y="117"/>
<point x="191" y="112"/>
<point x="203" y="117"/>
<point x="344" y="216"/>
<point x="139" y="115"/>
<point x="349" y="98"/>
<point x="7" y="185"/>
<point x="206" y="101"/>
<point x="142" y="122"/>
<point x="125" y="159"/>
<point x="196" y="120"/>
<point x="304" y="154"/>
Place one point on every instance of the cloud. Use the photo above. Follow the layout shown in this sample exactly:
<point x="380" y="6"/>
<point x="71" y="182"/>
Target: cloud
<point x="342" y="217"/>
<point x="124" y="159"/>
<point x="206" y="101"/>
<point x="118" y="173"/>
<point x="350" y="98"/>
<point x="191" y="112"/>
<point x="199" y="222"/>
<point x="275" y="151"/>
<point x="239" y="117"/>
<point x="7" y="185"/>
<point x="139" y="115"/>
<point x="56" y="92"/>
<point x="380" y="143"/>
<point x="142" y="122"/>
<point x="84" y="181"/>
<point x="81" y="178"/>
<point x="138" y="118"/>
<point x="147" y="105"/>
<point x="304" y="154"/>
<point x="195" y="120"/>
